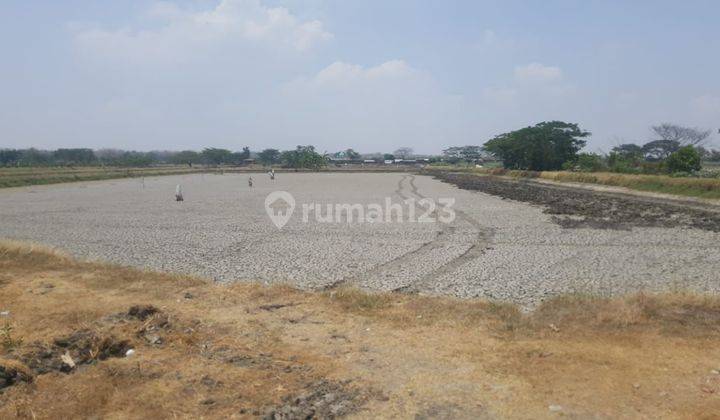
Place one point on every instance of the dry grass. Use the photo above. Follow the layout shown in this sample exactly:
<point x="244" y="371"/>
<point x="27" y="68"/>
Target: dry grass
<point x="19" y="177"/>
<point x="404" y="310"/>
<point x="692" y="187"/>
<point x="676" y="314"/>
<point x="240" y="350"/>
<point x="23" y="254"/>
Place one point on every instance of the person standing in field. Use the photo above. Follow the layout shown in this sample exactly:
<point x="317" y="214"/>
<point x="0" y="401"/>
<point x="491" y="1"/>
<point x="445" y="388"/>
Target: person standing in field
<point x="272" y="174"/>
<point x="178" y="193"/>
<point x="250" y="182"/>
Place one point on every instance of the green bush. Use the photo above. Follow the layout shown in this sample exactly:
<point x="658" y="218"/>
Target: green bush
<point x="303" y="157"/>
<point x="622" y="163"/>
<point x="686" y="159"/>
<point x="590" y="162"/>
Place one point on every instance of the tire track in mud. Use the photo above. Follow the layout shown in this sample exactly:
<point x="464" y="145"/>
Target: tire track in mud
<point x="476" y="249"/>
<point x="396" y="262"/>
<point x="395" y="269"/>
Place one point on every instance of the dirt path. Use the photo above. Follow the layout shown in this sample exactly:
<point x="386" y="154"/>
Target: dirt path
<point x="204" y="350"/>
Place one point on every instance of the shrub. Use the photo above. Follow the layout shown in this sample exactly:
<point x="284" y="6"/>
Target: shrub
<point x="685" y="159"/>
<point x="622" y="163"/>
<point x="590" y="162"/>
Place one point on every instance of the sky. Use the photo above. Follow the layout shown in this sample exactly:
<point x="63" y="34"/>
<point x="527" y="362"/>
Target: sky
<point x="372" y="75"/>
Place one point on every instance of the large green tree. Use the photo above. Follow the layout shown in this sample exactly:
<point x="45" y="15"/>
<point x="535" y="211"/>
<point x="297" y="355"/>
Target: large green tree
<point x="215" y="156"/>
<point x="660" y="149"/>
<point x="542" y="147"/>
<point x="269" y="157"/>
<point x="303" y="157"/>
<point x="629" y="152"/>
<point x="685" y="159"/>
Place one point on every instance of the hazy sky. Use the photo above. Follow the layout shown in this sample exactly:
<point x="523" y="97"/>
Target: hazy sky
<point x="373" y="75"/>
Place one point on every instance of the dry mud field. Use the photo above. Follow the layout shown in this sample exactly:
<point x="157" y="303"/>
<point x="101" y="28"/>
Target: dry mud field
<point x="514" y="242"/>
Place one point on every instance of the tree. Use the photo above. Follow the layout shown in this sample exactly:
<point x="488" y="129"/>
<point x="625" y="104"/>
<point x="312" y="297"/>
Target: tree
<point x="186" y="157"/>
<point x="403" y="152"/>
<point x="214" y="156"/>
<point x="10" y="157"/>
<point x="660" y="149"/>
<point x="629" y="152"/>
<point x="115" y="157"/>
<point x="545" y="146"/>
<point x="35" y="157"/>
<point x="685" y="159"/>
<point x="160" y="156"/>
<point x="685" y="136"/>
<point x="74" y="157"/>
<point x="625" y="157"/>
<point x="303" y="157"/>
<point x="590" y="162"/>
<point x="388" y="156"/>
<point x="351" y="154"/>
<point x="108" y="156"/>
<point x="269" y="157"/>
<point x="467" y="153"/>
<point x="238" y="158"/>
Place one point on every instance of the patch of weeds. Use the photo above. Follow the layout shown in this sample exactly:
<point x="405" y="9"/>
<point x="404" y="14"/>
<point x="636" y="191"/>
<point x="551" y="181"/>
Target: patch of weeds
<point x="7" y="340"/>
<point x="358" y="301"/>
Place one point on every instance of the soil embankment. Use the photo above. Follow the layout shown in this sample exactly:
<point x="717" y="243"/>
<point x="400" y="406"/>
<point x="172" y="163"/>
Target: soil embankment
<point x="573" y="207"/>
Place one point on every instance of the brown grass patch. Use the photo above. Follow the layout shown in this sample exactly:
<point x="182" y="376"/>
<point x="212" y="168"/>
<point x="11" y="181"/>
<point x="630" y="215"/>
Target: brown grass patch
<point x="683" y="314"/>
<point x="245" y="350"/>
<point x="23" y="254"/>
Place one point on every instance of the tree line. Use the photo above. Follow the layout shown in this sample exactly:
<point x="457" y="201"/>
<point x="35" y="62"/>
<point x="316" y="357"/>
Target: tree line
<point x="303" y="156"/>
<point x="556" y="145"/>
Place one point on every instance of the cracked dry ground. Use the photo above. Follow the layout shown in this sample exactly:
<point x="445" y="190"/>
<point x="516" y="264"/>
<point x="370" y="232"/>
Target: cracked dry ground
<point x="212" y="351"/>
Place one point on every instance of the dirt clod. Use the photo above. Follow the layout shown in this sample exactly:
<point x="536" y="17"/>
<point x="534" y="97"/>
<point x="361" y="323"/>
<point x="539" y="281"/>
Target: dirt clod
<point x="323" y="399"/>
<point x="12" y="373"/>
<point x="142" y="312"/>
<point x="83" y="346"/>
